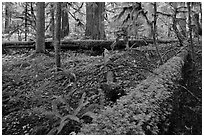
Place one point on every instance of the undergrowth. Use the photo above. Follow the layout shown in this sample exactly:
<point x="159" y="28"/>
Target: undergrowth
<point x="37" y="100"/>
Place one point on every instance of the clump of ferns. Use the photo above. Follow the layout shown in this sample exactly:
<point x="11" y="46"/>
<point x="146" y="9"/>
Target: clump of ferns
<point x="64" y="113"/>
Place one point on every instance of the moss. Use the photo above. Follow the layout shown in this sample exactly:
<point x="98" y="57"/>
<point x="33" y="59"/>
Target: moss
<point x="145" y="110"/>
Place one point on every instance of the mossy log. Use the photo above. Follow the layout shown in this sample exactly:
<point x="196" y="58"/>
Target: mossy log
<point x="147" y="108"/>
<point x="94" y="45"/>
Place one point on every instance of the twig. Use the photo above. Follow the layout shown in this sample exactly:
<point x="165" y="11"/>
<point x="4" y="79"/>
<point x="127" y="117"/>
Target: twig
<point x="191" y="93"/>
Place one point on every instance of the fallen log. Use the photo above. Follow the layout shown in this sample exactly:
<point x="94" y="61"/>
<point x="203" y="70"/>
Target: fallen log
<point x="147" y="108"/>
<point x="82" y="44"/>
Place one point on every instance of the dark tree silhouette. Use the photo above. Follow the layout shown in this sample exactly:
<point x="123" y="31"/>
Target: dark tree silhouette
<point x="65" y="21"/>
<point x="40" y="37"/>
<point x="7" y="17"/>
<point x="26" y="20"/>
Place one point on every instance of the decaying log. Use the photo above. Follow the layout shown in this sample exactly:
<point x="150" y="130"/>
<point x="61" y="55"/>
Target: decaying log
<point x="148" y="107"/>
<point x="82" y="44"/>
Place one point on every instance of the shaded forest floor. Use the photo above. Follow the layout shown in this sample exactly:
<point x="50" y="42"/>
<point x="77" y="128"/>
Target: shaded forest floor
<point x="38" y="100"/>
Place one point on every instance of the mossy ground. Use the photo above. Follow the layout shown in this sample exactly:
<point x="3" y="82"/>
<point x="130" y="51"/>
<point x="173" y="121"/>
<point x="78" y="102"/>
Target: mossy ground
<point x="28" y="83"/>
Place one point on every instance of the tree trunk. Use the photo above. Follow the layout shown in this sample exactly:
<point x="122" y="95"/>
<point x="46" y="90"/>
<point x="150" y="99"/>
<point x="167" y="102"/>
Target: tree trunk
<point x="40" y="37"/>
<point x="7" y="20"/>
<point x="52" y="26"/>
<point x="190" y="30"/>
<point x="175" y="22"/>
<point x="201" y="12"/>
<point x="95" y="20"/>
<point x="65" y="22"/>
<point x="182" y="23"/>
<point x="26" y="20"/>
<point x="57" y="36"/>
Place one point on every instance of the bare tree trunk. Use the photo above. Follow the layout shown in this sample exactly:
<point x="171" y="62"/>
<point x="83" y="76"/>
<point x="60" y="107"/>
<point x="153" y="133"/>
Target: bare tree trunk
<point x="52" y="26"/>
<point x="40" y="38"/>
<point x="6" y="30"/>
<point x="201" y="12"/>
<point x="62" y="21"/>
<point x="65" y="22"/>
<point x="57" y="36"/>
<point x="182" y="23"/>
<point x="89" y="20"/>
<point x="94" y="20"/>
<point x="101" y="10"/>
<point x="26" y="20"/>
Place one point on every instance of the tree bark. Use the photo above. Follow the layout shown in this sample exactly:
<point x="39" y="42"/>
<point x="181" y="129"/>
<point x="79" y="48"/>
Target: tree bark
<point x="65" y="22"/>
<point x="52" y="26"/>
<point x="40" y="37"/>
<point x="7" y="20"/>
<point x="95" y="20"/>
<point x="26" y="20"/>
<point x="182" y="23"/>
<point x="57" y="36"/>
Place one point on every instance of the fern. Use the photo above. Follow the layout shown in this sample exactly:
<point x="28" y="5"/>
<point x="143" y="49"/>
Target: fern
<point x="81" y="104"/>
<point x="90" y="114"/>
<point x="64" y="121"/>
<point x="63" y="101"/>
<point x="74" y="115"/>
<point x="89" y="109"/>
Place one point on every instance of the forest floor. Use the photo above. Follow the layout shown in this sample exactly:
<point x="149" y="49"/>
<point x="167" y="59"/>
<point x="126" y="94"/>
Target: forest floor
<point x="38" y="100"/>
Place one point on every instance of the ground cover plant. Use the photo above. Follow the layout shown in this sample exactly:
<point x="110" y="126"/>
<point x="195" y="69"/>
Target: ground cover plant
<point x="38" y="100"/>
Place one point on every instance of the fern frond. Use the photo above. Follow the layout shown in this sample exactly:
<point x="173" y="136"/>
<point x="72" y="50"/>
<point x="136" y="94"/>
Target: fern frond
<point x="81" y="104"/>
<point x="53" y="131"/>
<point x="70" y="117"/>
<point x="89" y="114"/>
<point x="82" y="98"/>
<point x="64" y="121"/>
<point x="90" y="108"/>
